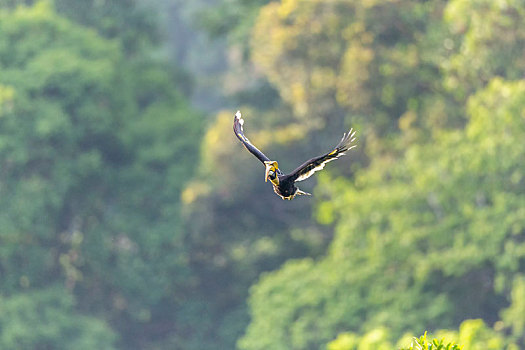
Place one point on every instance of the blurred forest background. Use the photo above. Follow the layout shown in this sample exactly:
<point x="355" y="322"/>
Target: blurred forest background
<point x="131" y="217"/>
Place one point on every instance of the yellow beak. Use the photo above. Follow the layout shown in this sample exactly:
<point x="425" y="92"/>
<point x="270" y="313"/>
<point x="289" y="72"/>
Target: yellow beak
<point x="270" y="166"/>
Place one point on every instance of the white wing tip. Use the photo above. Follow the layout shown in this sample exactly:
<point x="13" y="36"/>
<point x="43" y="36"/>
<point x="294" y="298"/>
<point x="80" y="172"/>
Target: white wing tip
<point x="238" y="115"/>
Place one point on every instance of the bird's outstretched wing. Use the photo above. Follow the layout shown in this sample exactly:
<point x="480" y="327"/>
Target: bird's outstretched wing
<point x="309" y="167"/>
<point x="237" y="129"/>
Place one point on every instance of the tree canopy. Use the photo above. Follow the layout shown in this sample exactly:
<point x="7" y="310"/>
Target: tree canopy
<point x="132" y="219"/>
<point x="94" y="150"/>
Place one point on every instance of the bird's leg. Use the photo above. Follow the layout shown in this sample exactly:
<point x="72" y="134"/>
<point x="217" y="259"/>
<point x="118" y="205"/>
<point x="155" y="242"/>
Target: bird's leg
<point x="299" y="192"/>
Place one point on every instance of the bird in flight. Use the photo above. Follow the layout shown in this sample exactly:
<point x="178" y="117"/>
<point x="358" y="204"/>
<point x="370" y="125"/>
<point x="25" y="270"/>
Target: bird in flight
<point x="284" y="184"/>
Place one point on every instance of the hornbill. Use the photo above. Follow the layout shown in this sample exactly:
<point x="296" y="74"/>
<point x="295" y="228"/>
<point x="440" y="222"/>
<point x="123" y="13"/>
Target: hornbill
<point x="284" y="184"/>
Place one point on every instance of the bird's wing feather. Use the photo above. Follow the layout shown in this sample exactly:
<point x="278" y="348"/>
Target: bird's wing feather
<point x="237" y="129"/>
<point x="309" y="167"/>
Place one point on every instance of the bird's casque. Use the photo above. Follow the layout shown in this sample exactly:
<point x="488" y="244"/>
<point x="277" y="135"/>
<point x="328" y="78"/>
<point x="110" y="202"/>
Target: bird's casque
<point x="284" y="184"/>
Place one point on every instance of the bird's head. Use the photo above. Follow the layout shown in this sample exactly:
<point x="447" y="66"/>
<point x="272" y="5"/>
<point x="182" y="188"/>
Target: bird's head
<point x="271" y="171"/>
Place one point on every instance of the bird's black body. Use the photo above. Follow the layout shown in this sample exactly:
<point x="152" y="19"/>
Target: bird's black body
<point x="286" y="188"/>
<point x="284" y="184"/>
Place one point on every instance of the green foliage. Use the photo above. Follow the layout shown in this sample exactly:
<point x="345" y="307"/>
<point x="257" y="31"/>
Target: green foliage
<point x="376" y="339"/>
<point x="49" y="134"/>
<point x="475" y="334"/>
<point x="513" y="315"/>
<point x="95" y="150"/>
<point x="128" y="21"/>
<point x="435" y="344"/>
<point x="419" y="230"/>
<point x="231" y="18"/>
<point x="488" y="41"/>
<point x="119" y="228"/>
<point x="472" y="334"/>
<point x="45" y="319"/>
<point x="421" y="264"/>
<point x="372" y="60"/>
<point x="430" y="232"/>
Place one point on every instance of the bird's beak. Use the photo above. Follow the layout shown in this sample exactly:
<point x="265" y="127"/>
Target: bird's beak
<point x="270" y="165"/>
